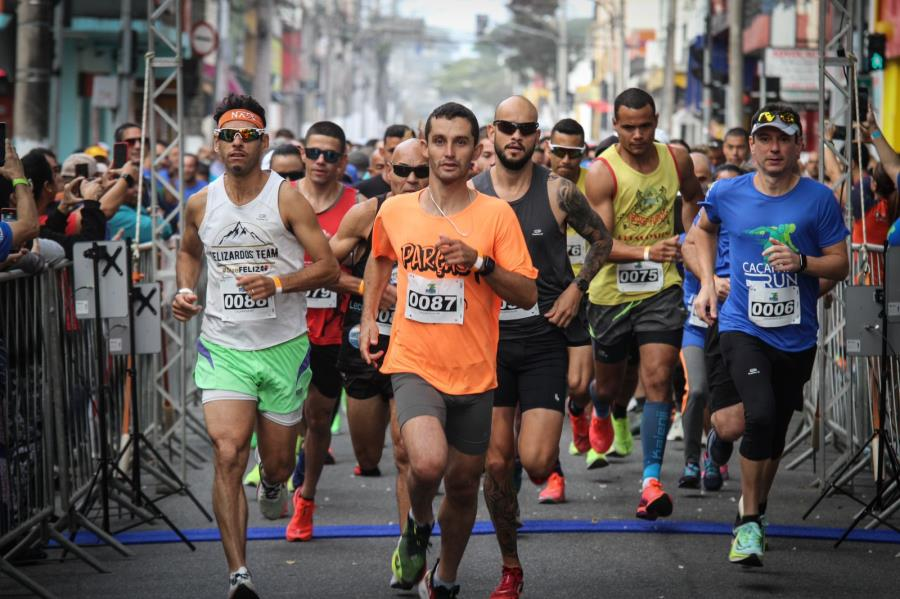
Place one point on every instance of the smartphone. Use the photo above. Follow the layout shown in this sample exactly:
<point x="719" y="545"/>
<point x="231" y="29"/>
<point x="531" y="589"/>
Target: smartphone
<point x="840" y="133"/>
<point x="81" y="170"/>
<point x="9" y="215"/>
<point x="2" y="143"/>
<point x="120" y="154"/>
<point x="863" y="93"/>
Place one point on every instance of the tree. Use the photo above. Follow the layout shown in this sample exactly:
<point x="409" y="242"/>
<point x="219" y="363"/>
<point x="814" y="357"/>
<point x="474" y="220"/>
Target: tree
<point x="479" y="80"/>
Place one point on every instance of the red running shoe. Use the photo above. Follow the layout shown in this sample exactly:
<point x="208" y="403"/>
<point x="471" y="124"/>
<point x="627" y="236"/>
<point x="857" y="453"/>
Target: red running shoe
<point x="555" y="491"/>
<point x="300" y="528"/>
<point x="511" y="584"/>
<point x="581" y="425"/>
<point x="601" y="434"/>
<point x="654" y="502"/>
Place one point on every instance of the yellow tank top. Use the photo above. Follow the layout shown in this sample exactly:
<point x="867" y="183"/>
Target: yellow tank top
<point x="575" y="244"/>
<point x="644" y="207"/>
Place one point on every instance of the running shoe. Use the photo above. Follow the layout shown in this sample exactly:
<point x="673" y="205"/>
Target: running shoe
<point x="723" y="470"/>
<point x="747" y="545"/>
<point x="654" y="502"/>
<point x="252" y="477"/>
<point x="595" y="460"/>
<point x="272" y="500"/>
<point x="623" y="440"/>
<point x="329" y="458"/>
<point x="581" y="425"/>
<point x="358" y="471"/>
<point x="719" y="451"/>
<point x="712" y="478"/>
<point x="601" y="433"/>
<point x="299" y="471"/>
<point x="676" y="430"/>
<point x="511" y="584"/>
<point x="555" y="491"/>
<point x="240" y="586"/>
<point x="690" y="476"/>
<point x="300" y="528"/>
<point x="427" y="591"/>
<point x="408" y="562"/>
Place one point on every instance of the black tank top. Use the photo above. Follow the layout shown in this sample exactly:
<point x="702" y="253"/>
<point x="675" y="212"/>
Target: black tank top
<point x="358" y="269"/>
<point x="547" y="246"/>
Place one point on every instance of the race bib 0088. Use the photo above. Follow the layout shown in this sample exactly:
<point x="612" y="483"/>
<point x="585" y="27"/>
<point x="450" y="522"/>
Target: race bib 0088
<point x="238" y="306"/>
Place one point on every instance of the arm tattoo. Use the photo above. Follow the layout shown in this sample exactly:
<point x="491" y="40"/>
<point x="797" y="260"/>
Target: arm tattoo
<point x="503" y="504"/>
<point x="587" y="223"/>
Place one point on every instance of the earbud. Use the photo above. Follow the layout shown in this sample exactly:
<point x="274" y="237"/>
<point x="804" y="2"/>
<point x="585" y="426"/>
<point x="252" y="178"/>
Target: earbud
<point x="216" y="147"/>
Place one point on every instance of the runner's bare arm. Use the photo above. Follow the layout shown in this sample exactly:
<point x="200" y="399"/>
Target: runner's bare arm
<point x="190" y="258"/>
<point x="377" y="276"/>
<point x="691" y="190"/>
<point x="301" y="220"/>
<point x="353" y="229"/>
<point x="834" y="263"/>
<point x="511" y="286"/>
<point x="699" y="252"/>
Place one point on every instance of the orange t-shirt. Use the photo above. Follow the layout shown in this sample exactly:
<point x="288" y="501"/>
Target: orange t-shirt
<point x="447" y="320"/>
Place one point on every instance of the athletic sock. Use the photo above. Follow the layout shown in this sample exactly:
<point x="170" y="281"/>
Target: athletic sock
<point x="239" y="576"/>
<point x="557" y="468"/>
<point x="746" y="519"/>
<point x="437" y="582"/>
<point x="601" y="408"/>
<point x="418" y="524"/>
<point x="654" y="427"/>
<point x="575" y="409"/>
<point x="619" y="412"/>
<point x="762" y="508"/>
<point x="266" y="485"/>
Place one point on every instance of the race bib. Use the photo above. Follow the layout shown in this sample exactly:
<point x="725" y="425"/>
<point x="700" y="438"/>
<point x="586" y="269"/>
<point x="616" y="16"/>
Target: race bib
<point x="384" y="320"/>
<point x="238" y="306"/>
<point x="510" y="312"/>
<point x="693" y="319"/>
<point x="773" y="307"/>
<point x="321" y="298"/>
<point x="435" y="301"/>
<point x="639" y="277"/>
<point x="575" y="247"/>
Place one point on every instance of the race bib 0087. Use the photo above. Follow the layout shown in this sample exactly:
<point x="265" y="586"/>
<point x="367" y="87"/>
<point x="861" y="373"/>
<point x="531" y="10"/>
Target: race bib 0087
<point x="435" y="301"/>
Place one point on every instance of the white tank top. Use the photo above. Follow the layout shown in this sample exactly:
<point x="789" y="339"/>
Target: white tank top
<point x="246" y="240"/>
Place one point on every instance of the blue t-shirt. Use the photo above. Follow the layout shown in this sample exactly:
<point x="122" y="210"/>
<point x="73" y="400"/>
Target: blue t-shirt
<point x="6" y="239"/>
<point x="694" y="334"/>
<point x="777" y="307"/>
<point x="893" y="238"/>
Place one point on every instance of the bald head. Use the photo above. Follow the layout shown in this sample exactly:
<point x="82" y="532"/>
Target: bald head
<point x="702" y="169"/>
<point x="408" y="156"/>
<point x="515" y="133"/>
<point x="518" y="109"/>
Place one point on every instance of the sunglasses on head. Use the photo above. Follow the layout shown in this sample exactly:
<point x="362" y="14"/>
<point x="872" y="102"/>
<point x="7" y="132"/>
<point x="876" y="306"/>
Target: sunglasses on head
<point x="246" y="133"/>
<point x="403" y="170"/>
<point x="567" y="151"/>
<point x="786" y="117"/>
<point x="330" y="155"/>
<point x="292" y="175"/>
<point x="509" y="127"/>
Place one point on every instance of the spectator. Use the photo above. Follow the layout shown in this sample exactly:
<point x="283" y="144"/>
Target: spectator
<point x="890" y="163"/>
<point x="287" y="162"/>
<point x="714" y="153"/>
<point x="736" y="147"/>
<point x="16" y="233"/>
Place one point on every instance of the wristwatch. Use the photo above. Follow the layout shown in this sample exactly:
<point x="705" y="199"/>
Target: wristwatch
<point x="582" y="284"/>
<point x="129" y="179"/>
<point x="802" y="263"/>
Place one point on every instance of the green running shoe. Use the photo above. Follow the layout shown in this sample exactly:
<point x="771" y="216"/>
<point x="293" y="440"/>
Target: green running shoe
<point x="408" y="563"/>
<point x="595" y="460"/>
<point x="623" y="442"/>
<point x="252" y="478"/>
<point x="747" y="545"/>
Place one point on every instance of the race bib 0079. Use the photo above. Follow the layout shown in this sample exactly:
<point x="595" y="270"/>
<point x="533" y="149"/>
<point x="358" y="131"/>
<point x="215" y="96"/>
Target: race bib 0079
<point x="321" y="298"/>
<point x="435" y="301"/>
<point x="639" y="277"/>
<point x="238" y="306"/>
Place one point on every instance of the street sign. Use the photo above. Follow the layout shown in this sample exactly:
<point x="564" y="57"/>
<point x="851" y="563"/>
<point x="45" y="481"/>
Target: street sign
<point x="798" y="69"/>
<point x="204" y="38"/>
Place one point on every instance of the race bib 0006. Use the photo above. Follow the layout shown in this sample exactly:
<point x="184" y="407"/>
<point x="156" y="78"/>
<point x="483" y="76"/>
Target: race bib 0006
<point x="639" y="277"/>
<point x="321" y="298"/>
<point x="435" y="301"/>
<point x="238" y="306"/>
<point x="773" y="307"/>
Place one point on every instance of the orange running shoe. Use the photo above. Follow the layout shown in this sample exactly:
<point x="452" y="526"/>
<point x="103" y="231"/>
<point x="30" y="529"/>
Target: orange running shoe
<point x="601" y="434"/>
<point x="511" y="584"/>
<point x="581" y="425"/>
<point x="555" y="491"/>
<point x="300" y="528"/>
<point x="654" y="502"/>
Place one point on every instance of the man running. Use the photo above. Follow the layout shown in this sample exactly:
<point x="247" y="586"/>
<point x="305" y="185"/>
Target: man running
<point x="532" y="357"/>
<point x="459" y="254"/>
<point x="370" y="397"/>
<point x="380" y="183"/>
<point x="253" y="366"/>
<point x="324" y="155"/>
<point x="785" y="232"/>
<point x="637" y="300"/>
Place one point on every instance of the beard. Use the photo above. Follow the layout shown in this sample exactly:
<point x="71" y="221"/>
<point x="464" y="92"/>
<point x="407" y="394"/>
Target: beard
<point x="514" y="165"/>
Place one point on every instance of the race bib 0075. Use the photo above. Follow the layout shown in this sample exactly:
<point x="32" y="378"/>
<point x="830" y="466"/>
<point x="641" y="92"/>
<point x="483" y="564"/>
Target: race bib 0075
<point x="435" y="301"/>
<point x="639" y="277"/>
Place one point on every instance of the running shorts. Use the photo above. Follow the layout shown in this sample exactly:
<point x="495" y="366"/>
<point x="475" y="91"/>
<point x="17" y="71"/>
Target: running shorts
<point x="325" y="375"/>
<point x="361" y="380"/>
<point x="532" y="372"/>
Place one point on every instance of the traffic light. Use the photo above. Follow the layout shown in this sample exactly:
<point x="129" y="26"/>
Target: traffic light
<point x="875" y="52"/>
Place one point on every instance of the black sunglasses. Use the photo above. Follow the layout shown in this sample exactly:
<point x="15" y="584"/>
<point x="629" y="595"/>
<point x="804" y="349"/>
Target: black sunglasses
<point x="330" y="155"/>
<point x="246" y="133"/>
<point x="509" y="127"/>
<point x="403" y="170"/>
<point x="292" y="175"/>
<point x="566" y="151"/>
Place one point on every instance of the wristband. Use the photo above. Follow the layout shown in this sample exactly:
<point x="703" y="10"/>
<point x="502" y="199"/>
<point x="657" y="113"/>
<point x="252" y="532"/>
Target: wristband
<point x="20" y="181"/>
<point x="646" y="252"/>
<point x="279" y="289"/>
<point x="876" y="134"/>
<point x="129" y="180"/>
<point x="184" y="290"/>
<point x="802" y="263"/>
<point x="362" y="287"/>
<point x="479" y="263"/>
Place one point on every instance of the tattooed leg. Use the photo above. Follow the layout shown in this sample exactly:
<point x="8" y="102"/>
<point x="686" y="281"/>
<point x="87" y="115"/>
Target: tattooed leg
<point x="499" y="493"/>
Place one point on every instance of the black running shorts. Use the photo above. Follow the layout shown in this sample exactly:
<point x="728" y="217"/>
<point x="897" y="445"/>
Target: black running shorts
<point x="532" y="372"/>
<point x="325" y="375"/>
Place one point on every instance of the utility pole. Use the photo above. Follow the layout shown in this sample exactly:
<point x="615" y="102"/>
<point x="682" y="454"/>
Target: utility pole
<point x="623" y="50"/>
<point x="668" y="108"/>
<point x="707" y="73"/>
<point x="562" y="62"/>
<point x="262" y="76"/>
<point x="126" y="53"/>
<point x="223" y="54"/>
<point x="734" y="98"/>
<point x="34" y="61"/>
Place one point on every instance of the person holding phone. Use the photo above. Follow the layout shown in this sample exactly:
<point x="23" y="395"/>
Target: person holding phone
<point x="15" y="233"/>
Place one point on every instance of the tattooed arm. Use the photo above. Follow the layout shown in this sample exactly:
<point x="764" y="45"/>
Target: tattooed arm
<point x="577" y="213"/>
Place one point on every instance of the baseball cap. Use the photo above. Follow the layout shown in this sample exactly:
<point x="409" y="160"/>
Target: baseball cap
<point x="97" y="152"/>
<point x="68" y="167"/>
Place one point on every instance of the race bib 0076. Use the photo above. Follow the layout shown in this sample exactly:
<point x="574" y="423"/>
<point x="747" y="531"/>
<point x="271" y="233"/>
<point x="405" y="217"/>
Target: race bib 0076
<point x="639" y="277"/>
<point x="435" y="301"/>
<point x="575" y="247"/>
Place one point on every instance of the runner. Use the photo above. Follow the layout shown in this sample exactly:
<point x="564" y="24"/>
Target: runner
<point x="532" y="359"/>
<point x="253" y="365"/>
<point x="784" y="232"/>
<point x="379" y="183"/>
<point x="324" y="155"/>
<point x="637" y="301"/>
<point x="370" y="397"/>
<point x="459" y="253"/>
